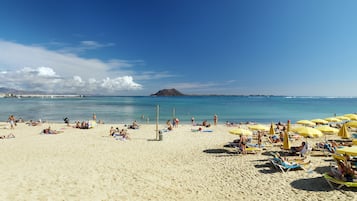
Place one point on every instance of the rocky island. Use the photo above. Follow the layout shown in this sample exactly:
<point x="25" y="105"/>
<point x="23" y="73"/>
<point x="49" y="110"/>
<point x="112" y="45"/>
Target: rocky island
<point x="168" y="92"/>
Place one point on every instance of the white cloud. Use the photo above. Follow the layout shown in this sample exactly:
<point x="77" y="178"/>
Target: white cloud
<point x="82" y="47"/>
<point x="46" y="72"/>
<point x="37" y="68"/>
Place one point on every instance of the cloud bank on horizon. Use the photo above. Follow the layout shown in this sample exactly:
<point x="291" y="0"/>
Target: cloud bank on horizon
<point x="37" y="68"/>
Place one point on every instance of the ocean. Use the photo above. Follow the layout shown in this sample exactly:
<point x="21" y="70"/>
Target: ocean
<point x="261" y="109"/>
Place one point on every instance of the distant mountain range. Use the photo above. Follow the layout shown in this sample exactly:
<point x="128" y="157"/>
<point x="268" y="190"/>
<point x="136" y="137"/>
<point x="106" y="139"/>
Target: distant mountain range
<point x="5" y="90"/>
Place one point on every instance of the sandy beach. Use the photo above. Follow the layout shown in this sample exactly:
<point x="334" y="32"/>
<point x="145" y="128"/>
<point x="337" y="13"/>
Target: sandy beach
<point x="88" y="164"/>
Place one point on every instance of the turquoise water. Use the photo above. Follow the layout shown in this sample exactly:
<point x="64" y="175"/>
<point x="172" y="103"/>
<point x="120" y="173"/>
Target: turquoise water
<point x="262" y="109"/>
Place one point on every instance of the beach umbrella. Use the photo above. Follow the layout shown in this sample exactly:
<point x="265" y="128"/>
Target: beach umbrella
<point x="332" y="119"/>
<point x="352" y="151"/>
<point x="306" y="122"/>
<point x="319" y="121"/>
<point x="307" y="131"/>
<point x="271" y="130"/>
<point x="286" y="142"/>
<point x="351" y="116"/>
<point x="343" y="133"/>
<point x="258" y="127"/>
<point x="343" y="118"/>
<point x="327" y="129"/>
<point x="240" y="131"/>
<point x="351" y="124"/>
<point x="288" y="127"/>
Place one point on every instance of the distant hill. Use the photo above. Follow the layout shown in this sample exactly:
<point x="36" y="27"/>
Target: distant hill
<point x="5" y="90"/>
<point x="168" y="92"/>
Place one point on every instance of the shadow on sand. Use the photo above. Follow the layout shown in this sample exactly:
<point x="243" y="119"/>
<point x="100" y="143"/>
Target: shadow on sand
<point x="322" y="170"/>
<point x="317" y="184"/>
<point x="267" y="168"/>
<point x="216" y="151"/>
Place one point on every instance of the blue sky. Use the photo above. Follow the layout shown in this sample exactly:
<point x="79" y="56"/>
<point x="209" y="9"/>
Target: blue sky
<point x="303" y="48"/>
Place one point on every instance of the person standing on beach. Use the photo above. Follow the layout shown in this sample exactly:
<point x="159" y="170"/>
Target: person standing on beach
<point x="176" y="122"/>
<point x="12" y="121"/>
<point x="259" y="139"/>
<point x="215" y="119"/>
<point x="193" y="121"/>
<point x="94" y="117"/>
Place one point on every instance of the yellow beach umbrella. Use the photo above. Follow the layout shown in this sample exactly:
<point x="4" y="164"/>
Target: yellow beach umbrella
<point x="288" y="127"/>
<point x="332" y="119"/>
<point x="351" y="124"/>
<point x="306" y="122"/>
<point x="352" y="151"/>
<point x="327" y="129"/>
<point x="240" y="131"/>
<point x="307" y="131"/>
<point x="319" y="121"/>
<point x="258" y="127"/>
<point x="343" y="133"/>
<point x="271" y="130"/>
<point x="343" y="118"/>
<point x="351" y="116"/>
<point x="286" y="141"/>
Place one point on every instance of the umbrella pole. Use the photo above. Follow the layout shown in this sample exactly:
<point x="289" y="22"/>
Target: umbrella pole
<point x="173" y="113"/>
<point x="157" y="121"/>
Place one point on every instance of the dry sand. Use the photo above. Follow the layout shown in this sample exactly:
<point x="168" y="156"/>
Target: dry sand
<point x="89" y="165"/>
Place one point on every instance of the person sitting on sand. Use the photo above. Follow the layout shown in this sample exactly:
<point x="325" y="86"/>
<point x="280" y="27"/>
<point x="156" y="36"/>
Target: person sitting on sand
<point x="135" y="125"/>
<point x="111" y="131"/>
<point x="302" y="149"/>
<point x="8" y="136"/>
<point x="206" y="124"/>
<point x="77" y="125"/>
<point x="169" y="125"/>
<point x="124" y="134"/>
<point x="120" y="135"/>
<point x="299" y="148"/>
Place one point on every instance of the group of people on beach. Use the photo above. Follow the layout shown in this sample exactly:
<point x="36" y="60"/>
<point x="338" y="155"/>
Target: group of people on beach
<point x="119" y="134"/>
<point x="205" y="123"/>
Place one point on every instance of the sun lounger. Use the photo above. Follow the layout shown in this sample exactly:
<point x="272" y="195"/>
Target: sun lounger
<point x="285" y="166"/>
<point x="340" y="183"/>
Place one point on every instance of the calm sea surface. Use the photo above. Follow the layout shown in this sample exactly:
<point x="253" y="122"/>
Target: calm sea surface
<point x="262" y="109"/>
